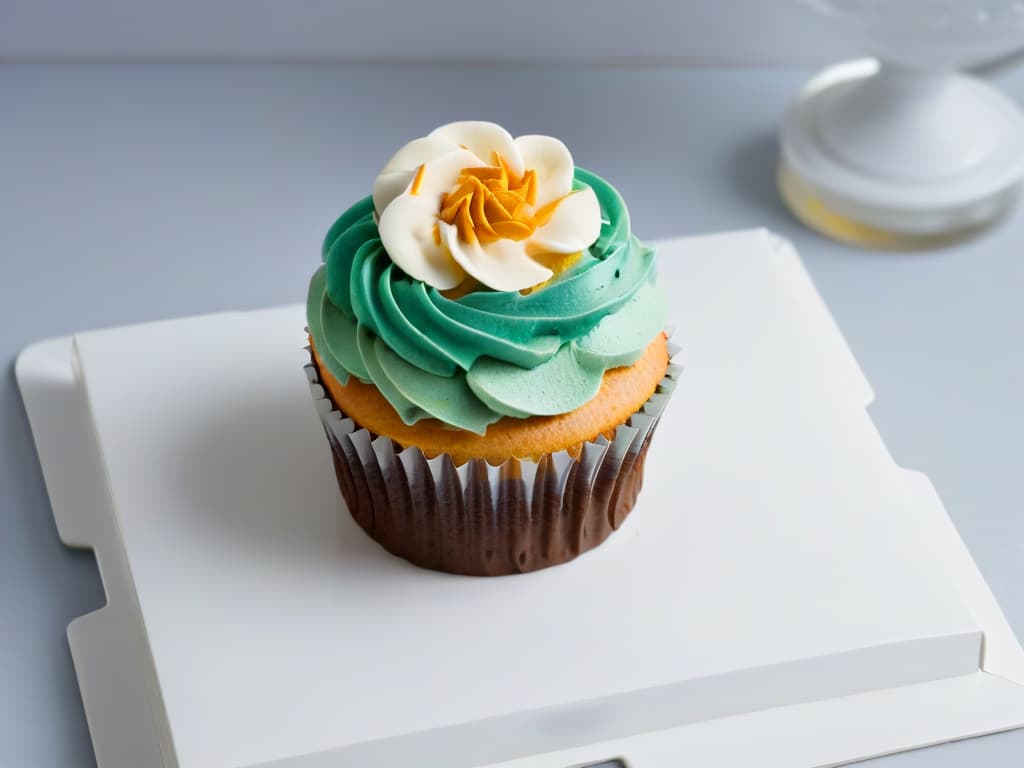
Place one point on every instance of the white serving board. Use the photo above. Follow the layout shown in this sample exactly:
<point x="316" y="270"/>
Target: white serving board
<point x="783" y="593"/>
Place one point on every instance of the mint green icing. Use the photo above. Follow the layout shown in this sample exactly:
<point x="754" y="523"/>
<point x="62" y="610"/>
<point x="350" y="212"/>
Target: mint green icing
<point x="557" y="386"/>
<point x="315" y="300"/>
<point x="447" y="398"/>
<point x="616" y="339"/>
<point x="339" y="332"/>
<point x="473" y="360"/>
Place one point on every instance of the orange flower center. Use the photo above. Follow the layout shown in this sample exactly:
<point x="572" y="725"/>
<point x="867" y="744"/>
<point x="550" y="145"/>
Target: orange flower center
<point x="492" y="203"/>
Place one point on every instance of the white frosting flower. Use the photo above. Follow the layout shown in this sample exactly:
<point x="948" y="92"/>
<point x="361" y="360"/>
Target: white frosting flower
<point x="470" y="200"/>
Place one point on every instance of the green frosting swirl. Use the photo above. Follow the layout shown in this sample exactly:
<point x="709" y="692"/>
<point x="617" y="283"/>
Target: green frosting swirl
<point x="489" y="354"/>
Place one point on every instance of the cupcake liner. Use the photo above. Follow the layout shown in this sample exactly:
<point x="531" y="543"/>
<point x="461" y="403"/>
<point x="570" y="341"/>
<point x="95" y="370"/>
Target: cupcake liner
<point x="485" y="520"/>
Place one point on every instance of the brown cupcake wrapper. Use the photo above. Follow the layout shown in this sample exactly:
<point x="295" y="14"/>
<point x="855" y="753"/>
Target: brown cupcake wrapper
<point x="484" y="520"/>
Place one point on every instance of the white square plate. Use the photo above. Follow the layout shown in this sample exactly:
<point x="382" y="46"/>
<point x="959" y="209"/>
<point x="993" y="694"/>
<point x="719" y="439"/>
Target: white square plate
<point x="783" y="593"/>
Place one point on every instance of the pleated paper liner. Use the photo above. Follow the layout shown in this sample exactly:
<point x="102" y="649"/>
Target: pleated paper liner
<point x="484" y="520"/>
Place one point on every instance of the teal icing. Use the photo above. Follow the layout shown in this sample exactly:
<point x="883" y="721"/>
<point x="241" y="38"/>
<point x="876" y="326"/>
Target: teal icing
<point x="411" y="342"/>
<point x="472" y="360"/>
<point x="352" y="242"/>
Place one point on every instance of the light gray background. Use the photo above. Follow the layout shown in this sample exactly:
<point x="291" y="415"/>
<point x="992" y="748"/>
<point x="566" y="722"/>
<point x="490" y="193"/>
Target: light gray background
<point x="132" y="193"/>
<point x="695" y="32"/>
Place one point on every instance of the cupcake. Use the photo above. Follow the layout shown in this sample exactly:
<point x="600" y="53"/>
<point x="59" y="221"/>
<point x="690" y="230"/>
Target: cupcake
<point x="487" y="353"/>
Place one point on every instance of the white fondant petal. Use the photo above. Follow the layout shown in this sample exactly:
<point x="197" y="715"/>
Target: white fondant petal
<point x="399" y="170"/>
<point x="502" y="265"/>
<point x="441" y="175"/>
<point x="407" y="232"/>
<point x="406" y="225"/>
<point x="388" y="186"/>
<point x="575" y="224"/>
<point x="417" y="152"/>
<point x="551" y="161"/>
<point x="482" y="139"/>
